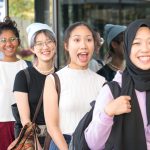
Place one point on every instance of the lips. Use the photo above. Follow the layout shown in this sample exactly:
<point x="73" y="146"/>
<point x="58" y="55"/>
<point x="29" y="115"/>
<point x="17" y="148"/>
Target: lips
<point x="9" y="50"/>
<point x="83" y="57"/>
<point x="46" y="52"/>
<point x="144" y="59"/>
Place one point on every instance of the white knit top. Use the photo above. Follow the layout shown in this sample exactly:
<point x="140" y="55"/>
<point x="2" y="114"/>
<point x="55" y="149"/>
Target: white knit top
<point x="78" y="89"/>
<point x="8" y="71"/>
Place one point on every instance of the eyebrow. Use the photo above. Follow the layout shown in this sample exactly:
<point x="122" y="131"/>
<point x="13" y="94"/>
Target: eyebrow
<point x="80" y="35"/>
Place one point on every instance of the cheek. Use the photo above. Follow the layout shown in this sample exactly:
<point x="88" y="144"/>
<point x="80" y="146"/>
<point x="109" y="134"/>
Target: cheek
<point x="132" y="55"/>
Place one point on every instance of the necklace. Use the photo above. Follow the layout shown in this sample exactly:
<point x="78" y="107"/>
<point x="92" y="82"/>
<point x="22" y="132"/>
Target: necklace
<point x="51" y="70"/>
<point x="114" y="67"/>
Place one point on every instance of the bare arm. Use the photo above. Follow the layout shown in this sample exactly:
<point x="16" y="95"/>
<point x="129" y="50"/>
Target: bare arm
<point x="23" y="106"/>
<point x="24" y="110"/>
<point x="51" y="112"/>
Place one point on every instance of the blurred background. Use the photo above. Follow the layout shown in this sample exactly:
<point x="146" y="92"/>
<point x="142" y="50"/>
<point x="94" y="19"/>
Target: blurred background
<point x="60" y="13"/>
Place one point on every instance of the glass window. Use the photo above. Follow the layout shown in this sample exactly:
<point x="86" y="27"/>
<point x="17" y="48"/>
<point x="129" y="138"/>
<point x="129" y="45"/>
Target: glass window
<point x="98" y="13"/>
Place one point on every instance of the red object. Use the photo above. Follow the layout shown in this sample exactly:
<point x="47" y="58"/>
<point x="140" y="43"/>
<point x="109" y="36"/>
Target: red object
<point x="6" y="134"/>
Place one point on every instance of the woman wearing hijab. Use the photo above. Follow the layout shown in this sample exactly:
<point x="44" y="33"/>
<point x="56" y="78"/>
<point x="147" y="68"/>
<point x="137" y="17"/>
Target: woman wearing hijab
<point x="124" y="123"/>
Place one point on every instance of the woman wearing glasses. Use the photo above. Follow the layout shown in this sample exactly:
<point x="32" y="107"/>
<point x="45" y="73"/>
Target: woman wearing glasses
<point x="42" y="41"/>
<point x="10" y="65"/>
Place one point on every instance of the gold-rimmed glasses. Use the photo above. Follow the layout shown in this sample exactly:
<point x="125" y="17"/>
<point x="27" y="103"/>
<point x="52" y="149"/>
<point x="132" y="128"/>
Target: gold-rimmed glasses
<point x="11" y="39"/>
<point x="39" y="45"/>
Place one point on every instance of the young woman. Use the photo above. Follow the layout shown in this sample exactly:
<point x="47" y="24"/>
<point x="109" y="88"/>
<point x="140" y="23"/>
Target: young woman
<point x="79" y="86"/>
<point x="42" y="42"/>
<point x="124" y="123"/>
<point x="114" y="44"/>
<point x="10" y="65"/>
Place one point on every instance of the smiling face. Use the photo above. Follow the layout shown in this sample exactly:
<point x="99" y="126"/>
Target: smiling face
<point x="44" y="48"/>
<point x="80" y="47"/>
<point x="9" y="44"/>
<point x="140" y="50"/>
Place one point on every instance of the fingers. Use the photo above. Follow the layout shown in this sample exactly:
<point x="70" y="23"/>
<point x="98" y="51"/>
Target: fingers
<point x="119" y="106"/>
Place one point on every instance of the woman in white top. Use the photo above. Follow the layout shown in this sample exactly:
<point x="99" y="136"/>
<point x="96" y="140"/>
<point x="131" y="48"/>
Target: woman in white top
<point x="9" y="66"/>
<point x="79" y="86"/>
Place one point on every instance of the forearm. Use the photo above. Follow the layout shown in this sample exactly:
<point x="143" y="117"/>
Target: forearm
<point x="98" y="132"/>
<point x="58" y="138"/>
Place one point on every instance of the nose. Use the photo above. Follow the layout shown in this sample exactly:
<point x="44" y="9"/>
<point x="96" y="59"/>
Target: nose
<point x="146" y="46"/>
<point x="45" y="45"/>
<point x="8" y="42"/>
<point x="83" y="44"/>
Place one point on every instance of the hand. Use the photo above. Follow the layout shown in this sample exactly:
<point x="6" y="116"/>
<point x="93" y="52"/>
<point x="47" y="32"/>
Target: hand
<point x="118" y="106"/>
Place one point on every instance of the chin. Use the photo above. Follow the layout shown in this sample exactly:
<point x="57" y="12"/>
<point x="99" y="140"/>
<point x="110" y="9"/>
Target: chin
<point x="144" y="67"/>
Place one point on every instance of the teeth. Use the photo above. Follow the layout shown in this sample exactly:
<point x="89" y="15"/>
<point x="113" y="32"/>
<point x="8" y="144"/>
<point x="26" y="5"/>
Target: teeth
<point x="84" y="53"/>
<point x="45" y="52"/>
<point x="144" y="58"/>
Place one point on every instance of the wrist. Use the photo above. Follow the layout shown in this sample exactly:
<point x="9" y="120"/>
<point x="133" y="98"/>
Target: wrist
<point x="109" y="112"/>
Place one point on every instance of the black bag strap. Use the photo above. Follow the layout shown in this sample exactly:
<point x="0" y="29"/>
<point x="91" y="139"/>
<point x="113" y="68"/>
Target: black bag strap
<point x="27" y="77"/>
<point x="40" y="99"/>
<point x="58" y="89"/>
<point x="29" y="63"/>
<point x="116" y="92"/>
<point x="57" y="84"/>
<point x="115" y="88"/>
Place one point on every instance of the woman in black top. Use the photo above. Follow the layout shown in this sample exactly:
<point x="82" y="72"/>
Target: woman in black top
<point x="42" y="42"/>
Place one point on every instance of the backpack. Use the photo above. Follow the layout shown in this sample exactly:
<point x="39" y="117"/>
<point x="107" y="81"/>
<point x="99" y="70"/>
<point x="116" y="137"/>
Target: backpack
<point x="78" y="141"/>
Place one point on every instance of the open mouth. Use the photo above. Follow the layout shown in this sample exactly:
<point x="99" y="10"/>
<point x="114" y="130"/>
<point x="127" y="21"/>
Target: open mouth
<point x="83" y="57"/>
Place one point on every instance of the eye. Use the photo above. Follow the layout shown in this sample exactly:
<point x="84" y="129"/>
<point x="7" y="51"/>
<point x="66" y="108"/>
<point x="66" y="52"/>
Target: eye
<point x="3" y="40"/>
<point x="39" y="44"/>
<point x="136" y="43"/>
<point x="89" y="39"/>
<point x="48" y="42"/>
<point x="76" y="40"/>
<point x="12" y="39"/>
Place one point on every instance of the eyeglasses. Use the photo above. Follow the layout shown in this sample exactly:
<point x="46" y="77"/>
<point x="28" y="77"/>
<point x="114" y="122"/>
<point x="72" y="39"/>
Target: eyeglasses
<point x="39" y="45"/>
<point x="11" y="39"/>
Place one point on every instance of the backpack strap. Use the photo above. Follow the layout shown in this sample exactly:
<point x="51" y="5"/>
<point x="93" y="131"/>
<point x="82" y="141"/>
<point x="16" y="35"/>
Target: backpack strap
<point x="116" y="92"/>
<point x="29" y="63"/>
<point x="115" y="88"/>
<point x="27" y="77"/>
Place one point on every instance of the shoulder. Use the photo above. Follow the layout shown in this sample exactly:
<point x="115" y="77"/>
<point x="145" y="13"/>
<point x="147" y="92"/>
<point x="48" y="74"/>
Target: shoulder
<point x="118" y="77"/>
<point x="97" y="76"/>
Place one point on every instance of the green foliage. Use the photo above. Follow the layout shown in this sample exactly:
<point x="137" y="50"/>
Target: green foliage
<point x="21" y="8"/>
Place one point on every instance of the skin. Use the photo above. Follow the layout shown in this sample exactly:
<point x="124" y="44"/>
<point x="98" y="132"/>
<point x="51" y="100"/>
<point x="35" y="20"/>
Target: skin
<point x="140" y="51"/>
<point x="45" y="58"/>
<point x="9" y="49"/>
<point x="46" y="54"/>
<point x="140" y="57"/>
<point x="117" y="56"/>
<point x="80" y="47"/>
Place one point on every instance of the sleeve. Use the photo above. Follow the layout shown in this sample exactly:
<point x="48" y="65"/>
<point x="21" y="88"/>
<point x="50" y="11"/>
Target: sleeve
<point x="20" y="83"/>
<point x="98" y="131"/>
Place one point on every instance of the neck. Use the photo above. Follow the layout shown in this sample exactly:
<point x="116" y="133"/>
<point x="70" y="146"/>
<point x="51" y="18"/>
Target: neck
<point x="10" y="59"/>
<point x="45" y="69"/>
<point x="117" y="65"/>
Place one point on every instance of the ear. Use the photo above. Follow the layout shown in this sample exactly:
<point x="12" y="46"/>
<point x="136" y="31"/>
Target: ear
<point x="66" y="46"/>
<point x="114" y="44"/>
